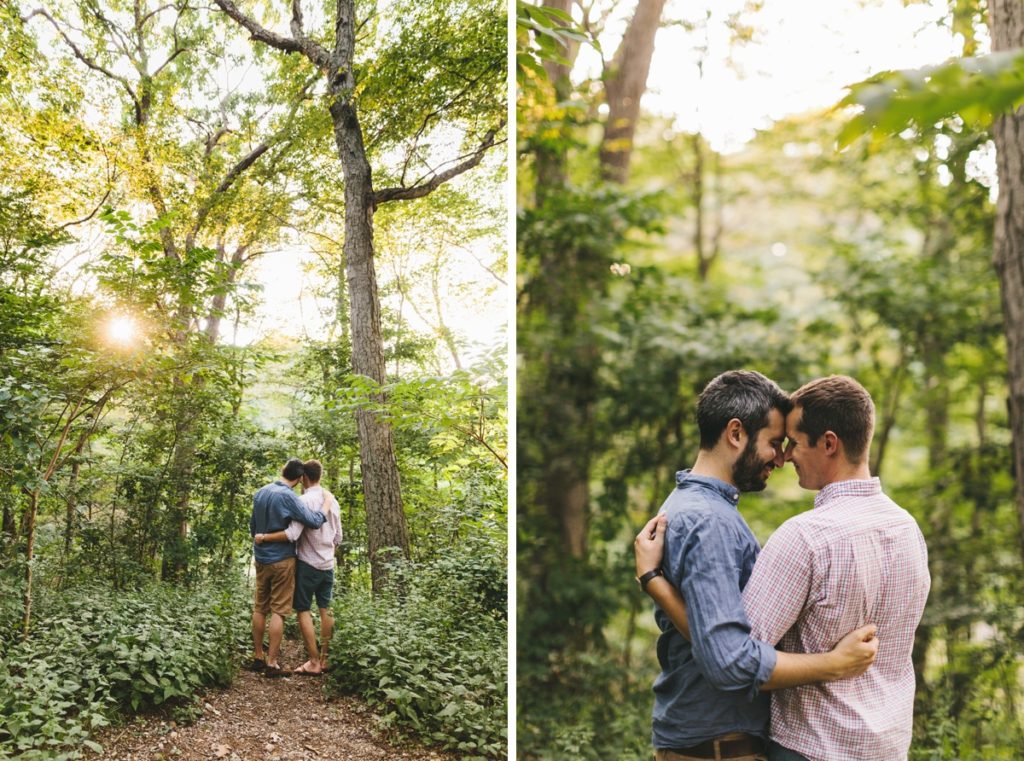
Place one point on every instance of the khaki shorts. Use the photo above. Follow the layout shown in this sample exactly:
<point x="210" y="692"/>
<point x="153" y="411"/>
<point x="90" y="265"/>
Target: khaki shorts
<point x="275" y="587"/>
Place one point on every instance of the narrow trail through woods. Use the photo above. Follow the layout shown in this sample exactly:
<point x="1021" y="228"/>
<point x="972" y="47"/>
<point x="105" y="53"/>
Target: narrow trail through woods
<point x="266" y="719"/>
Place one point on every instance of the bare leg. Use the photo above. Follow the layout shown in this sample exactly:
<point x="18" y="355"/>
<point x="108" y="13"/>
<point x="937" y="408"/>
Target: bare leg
<point x="326" y="630"/>
<point x="259" y="625"/>
<point x="309" y="637"/>
<point x="276" y="632"/>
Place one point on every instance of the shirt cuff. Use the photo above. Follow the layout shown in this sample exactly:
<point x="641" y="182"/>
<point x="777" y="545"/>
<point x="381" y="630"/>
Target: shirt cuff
<point x="293" y="530"/>
<point x="768" y="657"/>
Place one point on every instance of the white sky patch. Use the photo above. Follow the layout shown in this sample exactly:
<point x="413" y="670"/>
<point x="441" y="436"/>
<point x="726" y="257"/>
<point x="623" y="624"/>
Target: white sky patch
<point x="292" y="303"/>
<point x="802" y="57"/>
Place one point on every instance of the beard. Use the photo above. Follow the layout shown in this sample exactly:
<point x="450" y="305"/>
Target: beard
<point x="748" y="472"/>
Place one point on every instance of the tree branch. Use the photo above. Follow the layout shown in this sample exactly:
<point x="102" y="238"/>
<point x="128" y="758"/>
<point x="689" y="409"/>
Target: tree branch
<point x="296" y="24"/>
<point x="155" y="11"/>
<point x="120" y="40"/>
<point x="425" y="187"/>
<point x="204" y="210"/>
<point x="94" y="212"/>
<point x="309" y="48"/>
<point x="81" y="56"/>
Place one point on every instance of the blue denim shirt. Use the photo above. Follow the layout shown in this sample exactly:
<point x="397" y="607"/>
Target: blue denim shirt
<point x="710" y="687"/>
<point x="273" y="508"/>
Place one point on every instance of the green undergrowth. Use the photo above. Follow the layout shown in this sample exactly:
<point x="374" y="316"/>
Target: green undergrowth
<point x="95" y="654"/>
<point x="434" y="663"/>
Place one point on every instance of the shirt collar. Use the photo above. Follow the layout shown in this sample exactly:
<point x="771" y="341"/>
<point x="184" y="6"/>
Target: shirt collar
<point x="730" y="492"/>
<point x="855" y="487"/>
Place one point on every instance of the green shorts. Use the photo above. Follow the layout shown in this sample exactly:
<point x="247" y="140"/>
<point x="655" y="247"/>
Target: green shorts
<point x="311" y="581"/>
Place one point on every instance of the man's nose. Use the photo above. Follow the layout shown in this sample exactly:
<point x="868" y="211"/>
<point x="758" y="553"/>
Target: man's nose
<point x="780" y="457"/>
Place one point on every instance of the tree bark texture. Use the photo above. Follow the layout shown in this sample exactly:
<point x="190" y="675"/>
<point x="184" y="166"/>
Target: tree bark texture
<point x="1006" y="18"/>
<point x="551" y="161"/>
<point x="386" y="527"/>
<point x="625" y="85"/>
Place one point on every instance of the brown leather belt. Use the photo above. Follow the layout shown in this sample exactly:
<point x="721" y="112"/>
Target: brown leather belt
<point x="735" y="747"/>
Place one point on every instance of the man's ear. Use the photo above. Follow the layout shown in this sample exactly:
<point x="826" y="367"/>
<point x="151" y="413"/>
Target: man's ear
<point x="735" y="434"/>
<point x="832" y="443"/>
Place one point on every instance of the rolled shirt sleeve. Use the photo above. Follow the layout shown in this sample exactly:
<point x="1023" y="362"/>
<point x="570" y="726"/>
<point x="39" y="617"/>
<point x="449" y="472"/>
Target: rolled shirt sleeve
<point x="708" y="573"/>
<point x="293" y="531"/>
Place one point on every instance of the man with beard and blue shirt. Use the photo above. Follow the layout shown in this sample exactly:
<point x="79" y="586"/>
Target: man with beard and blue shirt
<point x="709" y="697"/>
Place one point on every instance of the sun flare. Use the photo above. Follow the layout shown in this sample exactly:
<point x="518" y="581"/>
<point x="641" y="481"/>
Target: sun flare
<point x="122" y="329"/>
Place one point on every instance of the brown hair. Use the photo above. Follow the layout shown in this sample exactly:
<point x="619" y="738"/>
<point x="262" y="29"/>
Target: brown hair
<point x="313" y="470"/>
<point x="839" y="404"/>
<point x="745" y="395"/>
<point x="292" y="470"/>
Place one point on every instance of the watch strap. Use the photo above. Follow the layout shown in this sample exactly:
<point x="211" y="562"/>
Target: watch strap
<point x="642" y="580"/>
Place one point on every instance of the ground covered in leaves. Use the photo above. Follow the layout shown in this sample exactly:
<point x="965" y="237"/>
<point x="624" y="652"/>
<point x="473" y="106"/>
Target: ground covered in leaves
<point x="267" y="719"/>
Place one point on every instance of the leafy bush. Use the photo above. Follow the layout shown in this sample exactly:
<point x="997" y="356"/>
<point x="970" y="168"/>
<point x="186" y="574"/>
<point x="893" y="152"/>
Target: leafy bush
<point x="95" y="651"/>
<point x="436" y="661"/>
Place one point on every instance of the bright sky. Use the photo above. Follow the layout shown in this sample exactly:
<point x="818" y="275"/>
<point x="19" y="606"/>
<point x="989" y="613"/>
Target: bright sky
<point x="802" y="56"/>
<point x="473" y="302"/>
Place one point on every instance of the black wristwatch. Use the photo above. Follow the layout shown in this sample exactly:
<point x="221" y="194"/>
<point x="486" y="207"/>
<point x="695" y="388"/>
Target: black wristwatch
<point x="642" y="580"/>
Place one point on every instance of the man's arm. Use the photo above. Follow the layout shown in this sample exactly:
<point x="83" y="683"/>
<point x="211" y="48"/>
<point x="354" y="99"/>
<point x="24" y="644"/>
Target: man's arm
<point x="277" y="536"/>
<point x="701" y="562"/>
<point x="291" y="533"/>
<point x="334" y="517"/>
<point x="297" y="510"/>
<point x="850" y="657"/>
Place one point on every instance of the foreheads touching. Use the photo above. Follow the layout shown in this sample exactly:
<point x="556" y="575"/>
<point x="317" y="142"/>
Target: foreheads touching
<point x="838" y="404"/>
<point x="744" y="395"/>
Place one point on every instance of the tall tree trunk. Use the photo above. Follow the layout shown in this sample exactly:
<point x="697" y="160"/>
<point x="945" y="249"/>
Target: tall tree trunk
<point x="890" y="409"/>
<point x="1006" y="18"/>
<point x="386" y="528"/>
<point x="550" y="158"/>
<point x="624" y="87"/>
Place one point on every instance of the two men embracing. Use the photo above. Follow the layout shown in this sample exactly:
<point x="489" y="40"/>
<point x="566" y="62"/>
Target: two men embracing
<point x="294" y="539"/>
<point x="839" y="589"/>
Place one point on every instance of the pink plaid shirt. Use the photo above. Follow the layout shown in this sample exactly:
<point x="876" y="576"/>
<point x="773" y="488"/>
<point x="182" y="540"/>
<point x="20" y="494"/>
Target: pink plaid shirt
<point x="316" y="546"/>
<point x="856" y="558"/>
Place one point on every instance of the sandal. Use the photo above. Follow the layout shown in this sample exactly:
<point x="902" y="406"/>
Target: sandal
<point x="303" y="671"/>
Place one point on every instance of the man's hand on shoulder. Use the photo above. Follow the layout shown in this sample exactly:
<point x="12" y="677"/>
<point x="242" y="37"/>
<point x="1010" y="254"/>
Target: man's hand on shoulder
<point x="855" y="652"/>
<point x="649" y="545"/>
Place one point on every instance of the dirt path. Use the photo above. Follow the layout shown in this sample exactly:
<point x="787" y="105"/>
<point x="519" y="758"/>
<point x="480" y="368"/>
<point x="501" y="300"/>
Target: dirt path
<point x="265" y="719"/>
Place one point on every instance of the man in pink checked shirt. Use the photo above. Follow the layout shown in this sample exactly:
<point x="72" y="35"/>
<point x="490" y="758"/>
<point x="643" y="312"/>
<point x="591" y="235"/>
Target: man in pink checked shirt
<point x="855" y="558"/>
<point x="314" y="568"/>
